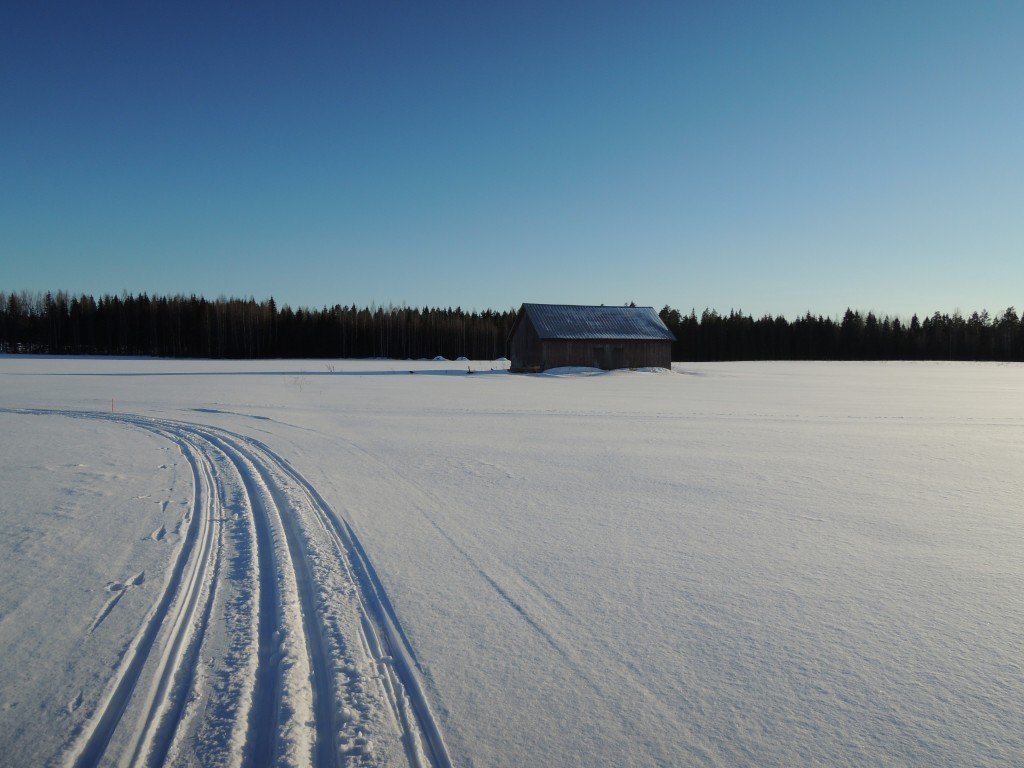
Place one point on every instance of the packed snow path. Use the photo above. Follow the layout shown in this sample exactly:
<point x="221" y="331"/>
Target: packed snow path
<point x="271" y="641"/>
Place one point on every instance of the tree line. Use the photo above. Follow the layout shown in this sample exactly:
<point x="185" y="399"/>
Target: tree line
<point x="856" y="336"/>
<point x="191" y="326"/>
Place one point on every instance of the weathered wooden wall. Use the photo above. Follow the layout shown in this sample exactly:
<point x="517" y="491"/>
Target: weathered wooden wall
<point x="607" y="354"/>
<point x="525" y="347"/>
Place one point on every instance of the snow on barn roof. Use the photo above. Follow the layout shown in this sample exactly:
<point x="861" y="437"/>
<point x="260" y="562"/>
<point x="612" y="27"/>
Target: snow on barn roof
<point x="573" y="321"/>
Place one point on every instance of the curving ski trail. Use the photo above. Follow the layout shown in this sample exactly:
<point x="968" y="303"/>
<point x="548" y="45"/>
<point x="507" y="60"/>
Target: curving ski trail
<point x="187" y="622"/>
<point x="255" y="475"/>
<point x="319" y="671"/>
<point x="379" y="612"/>
<point x="177" y="600"/>
<point x="382" y="631"/>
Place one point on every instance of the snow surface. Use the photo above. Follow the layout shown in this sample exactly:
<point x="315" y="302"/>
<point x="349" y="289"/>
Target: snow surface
<point x="737" y="564"/>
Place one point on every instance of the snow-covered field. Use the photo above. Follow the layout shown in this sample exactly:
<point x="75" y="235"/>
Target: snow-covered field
<point x="764" y="564"/>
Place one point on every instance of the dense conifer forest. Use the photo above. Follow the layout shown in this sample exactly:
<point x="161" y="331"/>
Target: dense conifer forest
<point x="854" y="336"/>
<point x="191" y="326"/>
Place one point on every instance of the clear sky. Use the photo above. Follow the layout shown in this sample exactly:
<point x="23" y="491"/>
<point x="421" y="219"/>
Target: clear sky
<point x="776" y="157"/>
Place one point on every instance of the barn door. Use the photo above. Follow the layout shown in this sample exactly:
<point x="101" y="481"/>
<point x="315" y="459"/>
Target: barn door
<point x="600" y="356"/>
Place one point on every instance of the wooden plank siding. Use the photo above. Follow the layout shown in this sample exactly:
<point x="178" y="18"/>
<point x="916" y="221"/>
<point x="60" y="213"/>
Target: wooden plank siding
<point x="608" y="354"/>
<point x="525" y="349"/>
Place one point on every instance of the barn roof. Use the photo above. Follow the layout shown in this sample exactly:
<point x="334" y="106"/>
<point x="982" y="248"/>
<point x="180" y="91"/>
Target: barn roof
<point x="572" y="321"/>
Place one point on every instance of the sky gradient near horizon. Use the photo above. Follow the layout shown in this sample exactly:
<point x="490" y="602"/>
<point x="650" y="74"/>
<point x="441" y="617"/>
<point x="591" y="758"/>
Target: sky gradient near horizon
<point x="775" y="158"/>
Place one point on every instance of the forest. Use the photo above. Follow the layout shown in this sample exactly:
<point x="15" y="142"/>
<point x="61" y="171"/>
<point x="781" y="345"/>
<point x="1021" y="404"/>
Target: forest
<point x="58" y="323"/>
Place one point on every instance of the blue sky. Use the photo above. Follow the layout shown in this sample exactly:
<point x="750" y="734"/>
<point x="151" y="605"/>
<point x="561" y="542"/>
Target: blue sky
<point x="774" y="157"/>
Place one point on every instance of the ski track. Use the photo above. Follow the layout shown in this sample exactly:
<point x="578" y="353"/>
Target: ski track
<point x="381" y="626"/>
<point x="517" y="580"/>
<point x="300" y="694"/>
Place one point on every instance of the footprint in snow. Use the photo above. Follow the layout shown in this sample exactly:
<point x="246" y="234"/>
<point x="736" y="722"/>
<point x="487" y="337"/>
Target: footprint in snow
<point x="159" y="533"/>
<point x="75" y="703"/>
<point x="117" y="590"/>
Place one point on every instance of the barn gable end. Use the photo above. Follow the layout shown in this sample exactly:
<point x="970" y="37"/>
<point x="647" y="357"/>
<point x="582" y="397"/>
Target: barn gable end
<point x="555" y="335"/>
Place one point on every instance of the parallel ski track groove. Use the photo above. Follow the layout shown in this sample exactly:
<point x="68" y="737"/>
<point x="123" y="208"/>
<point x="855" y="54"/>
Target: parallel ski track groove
<point x="376" y="606"/>
<point x="325" y="748"/>
<point x="262" y="732"/>
<point x="181" y="609"/>
<point x="92" y="745"/>
<point x="264" y="717"/>
<point x="325" y="691"/>
<point x="160" y="704"/>
<point x="261" y="741"/>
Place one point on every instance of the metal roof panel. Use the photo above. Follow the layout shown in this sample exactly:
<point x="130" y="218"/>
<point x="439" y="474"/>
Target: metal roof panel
<point x="572" y="321"/>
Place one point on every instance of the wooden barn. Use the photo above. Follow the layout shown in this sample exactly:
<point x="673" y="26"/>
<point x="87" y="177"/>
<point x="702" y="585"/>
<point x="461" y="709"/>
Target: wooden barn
<point x="555" y="335"/>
